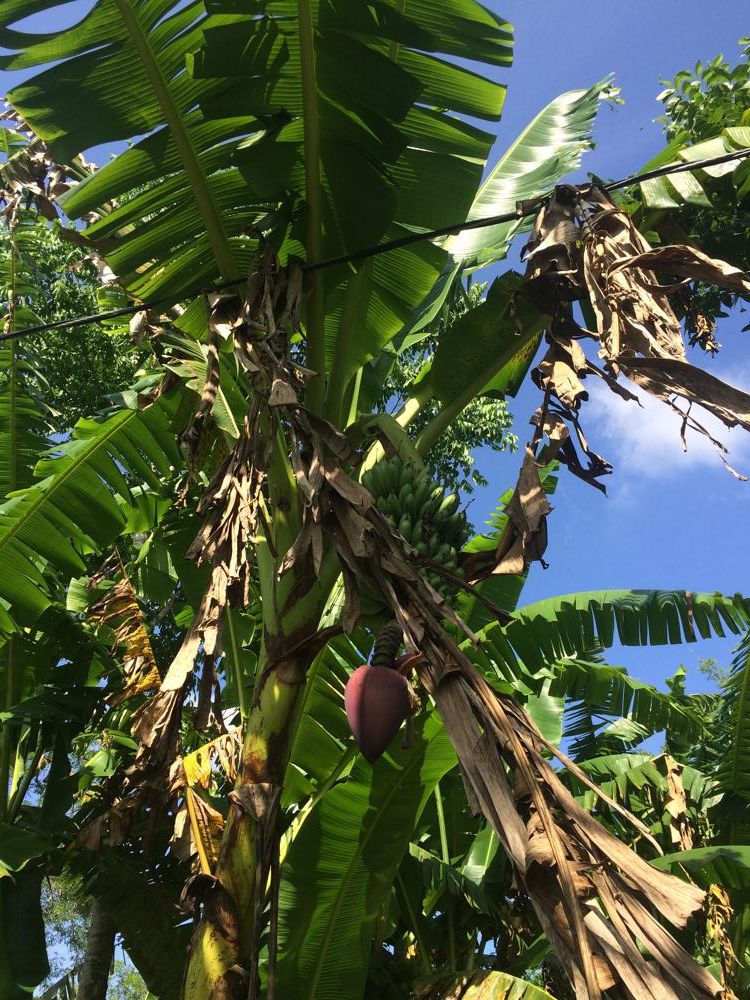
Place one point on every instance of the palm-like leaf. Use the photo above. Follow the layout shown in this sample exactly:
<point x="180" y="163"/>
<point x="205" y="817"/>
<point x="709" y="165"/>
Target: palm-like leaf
<point x="22" y="422"/>
<point x="694" y="187"/>
<point x="557" y="637"/>
<point x="610" y="708"/>
<point x="733" y="765"/>
<point x="117" y="74"/>
<point x="81" y="504"/>
<point x="639" y="781"/>
<point x="575" y="623"/>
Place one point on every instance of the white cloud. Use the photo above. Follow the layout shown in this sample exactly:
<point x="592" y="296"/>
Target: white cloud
<point x="645" y="440"/>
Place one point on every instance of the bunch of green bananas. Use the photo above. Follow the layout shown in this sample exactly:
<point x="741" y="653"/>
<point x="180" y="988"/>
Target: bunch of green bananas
<point x="422" y="512"/>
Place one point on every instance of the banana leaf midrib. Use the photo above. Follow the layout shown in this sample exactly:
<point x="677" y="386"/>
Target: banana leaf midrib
<point x="315" y="316"/>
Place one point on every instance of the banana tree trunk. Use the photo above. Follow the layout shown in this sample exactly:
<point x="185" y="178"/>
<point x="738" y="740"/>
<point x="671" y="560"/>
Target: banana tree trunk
<point x="97" y="961"/>
<point x="223" y="951"/>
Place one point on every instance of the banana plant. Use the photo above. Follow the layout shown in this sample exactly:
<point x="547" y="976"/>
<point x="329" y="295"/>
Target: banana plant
<point x="265" y="140"/>
<point x="453" y="878"/>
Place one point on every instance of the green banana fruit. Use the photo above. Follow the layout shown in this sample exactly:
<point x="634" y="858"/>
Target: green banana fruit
<point x="423" y="512"/>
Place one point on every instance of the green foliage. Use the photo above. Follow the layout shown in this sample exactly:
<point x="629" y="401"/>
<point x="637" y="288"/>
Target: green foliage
<point x="706" y="113"/>
<point x="700" y="103"/>
<point x="484" y="422"/>
<point x="89" y="487"/>
<point x="59" y="282"/>
<point x="340" y="867"/>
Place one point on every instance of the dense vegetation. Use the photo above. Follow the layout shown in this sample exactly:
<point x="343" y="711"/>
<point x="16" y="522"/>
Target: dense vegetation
<point x="193" y="570"/>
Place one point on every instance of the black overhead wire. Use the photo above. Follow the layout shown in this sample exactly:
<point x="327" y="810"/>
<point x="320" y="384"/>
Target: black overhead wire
<point x="522" y="210"/>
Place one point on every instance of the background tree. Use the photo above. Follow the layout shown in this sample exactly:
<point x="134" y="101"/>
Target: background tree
<point x="706" y="111"/>
<point x="59" y="280"/>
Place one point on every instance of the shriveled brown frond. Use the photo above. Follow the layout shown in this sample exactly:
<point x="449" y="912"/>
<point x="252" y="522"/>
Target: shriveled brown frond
<point x="120" y="612"/>
<point x="690" y="263"/>
<point x="719" y="915"/>
<point x="667" y="377"/>
<point x="223" y="753"/>
<point x="634" y="314"/>
<point x="231" y="504"/>
<point x="584" y="247"/>
<point x="33" y="177"/>
<point x="594" y="896"/>
<point x="190" y="437"/>
<point x="198" y="826"/>
<point x="675" y="804"/>
<point x="575" y="872"/>
<point x="525" y="536"/>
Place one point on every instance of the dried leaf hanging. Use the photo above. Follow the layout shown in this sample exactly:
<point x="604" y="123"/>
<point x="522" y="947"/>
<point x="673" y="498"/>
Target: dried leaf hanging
<point x="231" y="504"/>
<point x="31" y="177"/>
<point x="198" y="825"/>
<point x="118" y="610"/>
<point x="593" y="895"/>
<point x="606" y="261"/>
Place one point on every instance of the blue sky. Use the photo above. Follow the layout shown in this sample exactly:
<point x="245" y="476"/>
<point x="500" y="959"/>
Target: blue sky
<point x="670" y="520"/>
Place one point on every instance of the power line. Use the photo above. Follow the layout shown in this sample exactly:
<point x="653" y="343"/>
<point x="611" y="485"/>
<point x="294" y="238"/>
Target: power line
<point x="523" y="210"/>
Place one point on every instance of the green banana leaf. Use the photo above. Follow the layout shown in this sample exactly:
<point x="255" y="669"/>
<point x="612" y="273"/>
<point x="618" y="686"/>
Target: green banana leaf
<point x="339" y="870"/>
<point x="733" y="771"/>
<point x="323" y="744"/>
<point x="82" y="501"/>
<point x="729" y="866"/>
<point x="487" y="986"/>
<point x="551" y="146"/>
<point x="695" y="187"/>
<point x="631" y="617"/>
